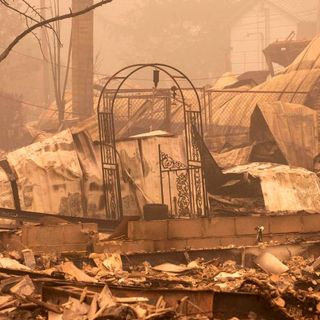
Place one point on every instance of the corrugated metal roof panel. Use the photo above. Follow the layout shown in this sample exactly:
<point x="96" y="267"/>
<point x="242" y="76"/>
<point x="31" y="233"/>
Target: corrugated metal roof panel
<point x="294" y="128"/>
<point x="229" y="124"/>
<point x="285" y="188"/>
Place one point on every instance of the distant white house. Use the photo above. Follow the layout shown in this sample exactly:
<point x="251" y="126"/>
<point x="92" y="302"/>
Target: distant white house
<point x="261" y="22"/>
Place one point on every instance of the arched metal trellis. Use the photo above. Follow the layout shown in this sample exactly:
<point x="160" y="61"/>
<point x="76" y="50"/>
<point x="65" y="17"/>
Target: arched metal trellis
<point x="186" y="195"/>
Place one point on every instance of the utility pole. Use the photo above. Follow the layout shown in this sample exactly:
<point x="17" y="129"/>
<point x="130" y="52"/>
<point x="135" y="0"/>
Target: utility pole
<point x="82" y="61"/>
<point x="267" y="27"/>
<point x="45" y="63"/>
<point x="318" y="18"/>
<point x="266" y="40"/>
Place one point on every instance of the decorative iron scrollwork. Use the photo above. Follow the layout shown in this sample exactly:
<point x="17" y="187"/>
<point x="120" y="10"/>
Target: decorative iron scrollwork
<point x="168" y="163"/>
<point x="198" y="183"/>
<point x="194" y="127"/>
<point x="111" y="186"/>
<point x="183" y="189"/>
<point x="108" y="151"/>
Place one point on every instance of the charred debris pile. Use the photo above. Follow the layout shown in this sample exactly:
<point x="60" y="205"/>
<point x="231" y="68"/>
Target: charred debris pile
<point x="99" y="287"/>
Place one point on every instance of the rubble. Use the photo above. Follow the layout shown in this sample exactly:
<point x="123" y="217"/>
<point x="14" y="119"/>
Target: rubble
<point x="270" y="264"/>
<point x="71" y="270"/>
<point x="291" y="287"/>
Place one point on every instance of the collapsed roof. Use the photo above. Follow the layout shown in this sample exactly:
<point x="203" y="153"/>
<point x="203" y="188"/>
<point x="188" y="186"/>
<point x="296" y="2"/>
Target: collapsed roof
<point x="284" y="188"/>
<point x="291" y="127"/>
<point x="230" y="120"/>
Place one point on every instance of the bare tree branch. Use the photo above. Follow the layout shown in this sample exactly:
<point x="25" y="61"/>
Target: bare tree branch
<point x="5" y="3"/>
<point x="29" y="6"/>
<point x="43" y="23"/>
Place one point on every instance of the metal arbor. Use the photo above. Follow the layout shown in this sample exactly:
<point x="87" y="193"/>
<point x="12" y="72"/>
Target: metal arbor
<point x="188" y="196"/>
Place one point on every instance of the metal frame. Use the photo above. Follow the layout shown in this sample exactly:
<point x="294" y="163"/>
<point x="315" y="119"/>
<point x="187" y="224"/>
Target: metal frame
<point x="161" y="98"/>
<point x="193" y="178"/>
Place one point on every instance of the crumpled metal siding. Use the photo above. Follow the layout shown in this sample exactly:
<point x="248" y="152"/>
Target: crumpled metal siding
<point x="233" y="157"/>
<point x="285" y="188"/>
<point x="138" y="156"/>
<point x="92" y="191"/>
<point x="6" y="196"/>
<point x="174" y="147"/>
<point x="294" y="128"/>
<point x="49" y="176"/>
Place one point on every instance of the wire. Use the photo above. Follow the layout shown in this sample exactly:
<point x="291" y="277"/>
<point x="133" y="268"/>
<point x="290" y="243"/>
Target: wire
<point x="274" y="15"/>
<point x="46" y="61"/>
<point x="138" y="79"/>
<point x="210" y="90"/>
<point x="258" y="91"/>
<point x="106" y="75"/>
<point x="36" y="106"/>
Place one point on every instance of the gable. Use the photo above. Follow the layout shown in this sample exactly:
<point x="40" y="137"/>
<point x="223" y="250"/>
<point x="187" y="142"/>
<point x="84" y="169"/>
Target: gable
<point x="247" y="6"/>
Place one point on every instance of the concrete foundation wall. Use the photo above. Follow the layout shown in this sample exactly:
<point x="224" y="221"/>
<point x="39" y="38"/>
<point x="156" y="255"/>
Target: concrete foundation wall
<point x="57" y="238"/>
<point x="217" y="231"/>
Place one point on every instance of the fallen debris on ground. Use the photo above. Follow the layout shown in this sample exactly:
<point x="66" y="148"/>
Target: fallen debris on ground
<point x="89" y="288"/>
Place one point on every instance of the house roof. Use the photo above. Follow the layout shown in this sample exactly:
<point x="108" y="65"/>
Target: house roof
<point x="305" y="10"/>
<point x="301" y="10"/>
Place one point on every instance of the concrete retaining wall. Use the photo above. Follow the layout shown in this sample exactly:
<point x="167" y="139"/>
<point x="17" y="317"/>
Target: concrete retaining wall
<point x="57" y="238"/>
<point x="218" y="231"/>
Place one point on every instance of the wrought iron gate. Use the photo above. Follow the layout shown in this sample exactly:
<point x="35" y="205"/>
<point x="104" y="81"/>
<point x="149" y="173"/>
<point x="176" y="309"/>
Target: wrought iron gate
<point x="183" y="186"/>
<point x="186" y="193"/>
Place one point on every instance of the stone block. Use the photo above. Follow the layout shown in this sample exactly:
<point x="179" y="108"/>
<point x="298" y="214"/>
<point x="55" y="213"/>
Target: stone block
<point x="148" y="230"/>
<point x="185" y="229"/>
<point x="311" y="222"/>
<point x="73" y="234"/>
<point x="219" y="227"/>
<point x="286" y="224"/>
<point x="247" y="225"/>
<point x="55" y="238"/>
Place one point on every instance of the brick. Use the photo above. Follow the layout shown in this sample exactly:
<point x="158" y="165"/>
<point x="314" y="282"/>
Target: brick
<point x="285" y="224"/>
<point x="55" y="238"/>
<point x="311" y="223"/>
<point x="247" y="225"/>
<point x="219" y="227"/>
<point x="38" y="235"/>
<point x="185" y="229"/>
<point x="138" y="246"/>
<point x="72" y="234"/>
<point x="148" y="230"/>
